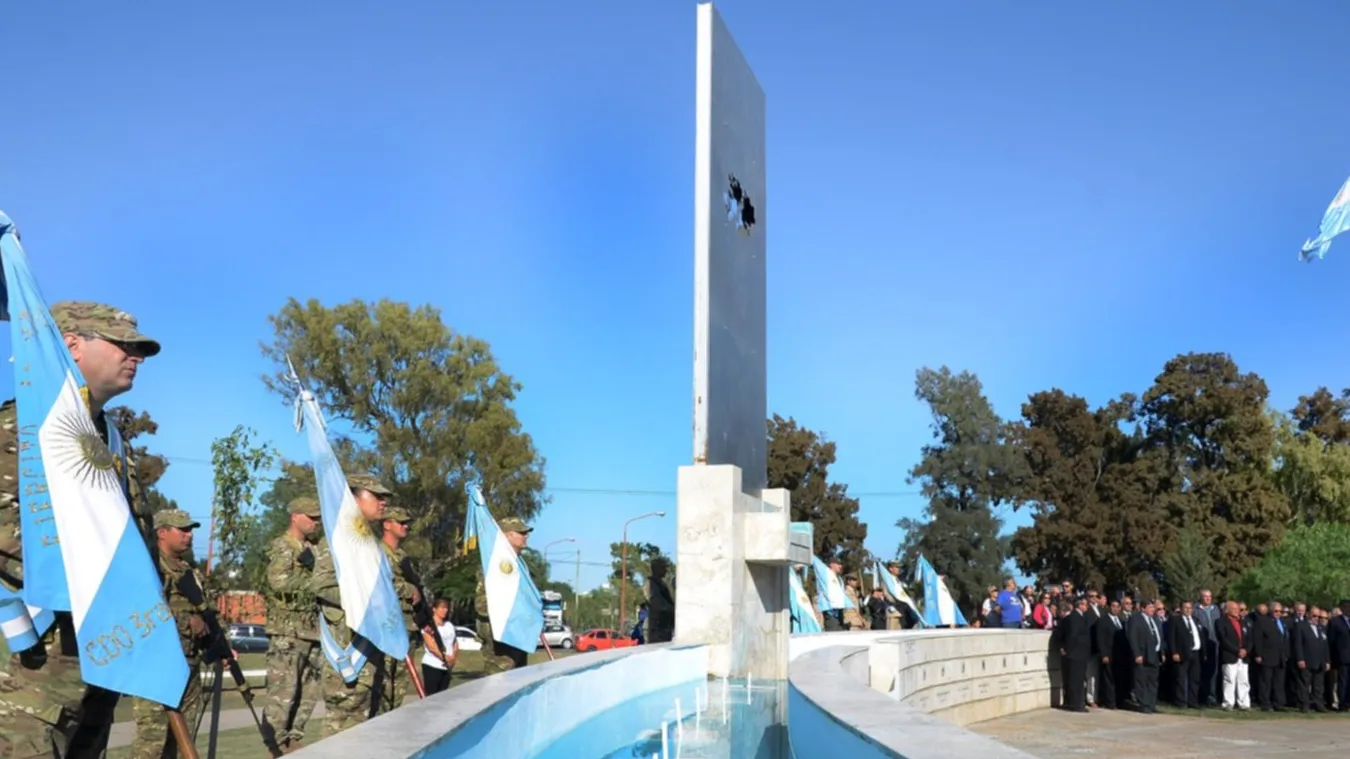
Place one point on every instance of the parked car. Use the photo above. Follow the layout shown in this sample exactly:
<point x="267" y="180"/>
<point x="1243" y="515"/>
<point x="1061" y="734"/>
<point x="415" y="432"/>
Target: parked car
<point x="247" y="639"/>
<point x="602" y="640"/>
<point x="559" y="636"/>
<point x="468" y="639"/>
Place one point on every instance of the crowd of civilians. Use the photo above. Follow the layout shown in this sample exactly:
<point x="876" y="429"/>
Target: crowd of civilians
<point x="1129" y="652"/>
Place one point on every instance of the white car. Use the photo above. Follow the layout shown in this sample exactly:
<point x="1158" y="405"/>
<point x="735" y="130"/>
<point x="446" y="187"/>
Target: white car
<point x="468" y="639"/>
<point x="559" y="636"/>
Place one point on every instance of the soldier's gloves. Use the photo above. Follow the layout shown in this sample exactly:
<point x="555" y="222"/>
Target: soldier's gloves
<point x="306" y="559"/>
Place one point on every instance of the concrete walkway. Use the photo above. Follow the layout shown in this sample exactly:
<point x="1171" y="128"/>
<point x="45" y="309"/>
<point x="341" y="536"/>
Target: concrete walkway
<point x="1054" y="734"/>
<point x="123" y="733"/>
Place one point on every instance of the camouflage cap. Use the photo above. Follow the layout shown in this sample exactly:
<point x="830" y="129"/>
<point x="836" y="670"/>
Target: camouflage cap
<point x="84" y="317"/>
<point x="175" y="518"/>
<point x="367" y="481"/>
<point x="893" y="563"/>
<point x="516" y="524"/>
<point x="307" y="505"/>
<point x="395" y="514"/>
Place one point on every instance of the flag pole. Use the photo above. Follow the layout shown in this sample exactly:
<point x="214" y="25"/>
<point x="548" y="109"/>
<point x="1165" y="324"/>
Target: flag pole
<point x="181" y="738"/>
<point x="412" y="672"/>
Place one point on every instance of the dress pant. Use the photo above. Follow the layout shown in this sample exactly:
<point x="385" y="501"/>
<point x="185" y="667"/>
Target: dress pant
<point x="1211" y="682"/>
<point x="1308" y="687"/>
<point x="1343" y="688"/>
<point x="1106" y="684"/>
<point x="1186" y="685"/>
<point x="1236" y="689"/>
<point x="1094" y="669"/>
<point x="1124" y="673"/>
<point x="1271" y="693"/>
<point x="1075" y="682"/>
<point x="1146" y="687"/>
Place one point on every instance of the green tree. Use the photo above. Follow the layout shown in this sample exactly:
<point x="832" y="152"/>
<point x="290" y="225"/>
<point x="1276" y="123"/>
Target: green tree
<point x="272" y="516"/>
<point x="1312" y="474"/>
<point x="150" y="467"/>
<point x="238" y="464"/>
<point x="1186" y="568"/>
<point x="1324" y="415"/>
<point x="1093" y="511"/>
<point x="433" y="409"/>
<point x="1312" y="564"/>
<point x="966" y="474"/>
<point x="1208" y="422"/>
<point x="799" y="461"/>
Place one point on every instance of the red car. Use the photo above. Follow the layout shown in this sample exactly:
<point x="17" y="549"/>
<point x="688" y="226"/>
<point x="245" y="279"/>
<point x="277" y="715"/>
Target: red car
<point x="602" y="640"/>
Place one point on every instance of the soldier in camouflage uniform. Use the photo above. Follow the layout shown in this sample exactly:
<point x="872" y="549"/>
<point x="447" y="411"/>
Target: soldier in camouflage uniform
<point x="45" y="708"/>
<point x="395" y="528"/>
<point x="295" y="664"/>
<point x="498" y="656"/>
<point x="154" y="739"/>
<point x="350" y="704"/>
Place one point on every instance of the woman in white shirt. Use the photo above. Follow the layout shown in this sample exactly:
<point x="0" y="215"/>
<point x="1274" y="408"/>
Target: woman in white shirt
<point x="437" y="663"/>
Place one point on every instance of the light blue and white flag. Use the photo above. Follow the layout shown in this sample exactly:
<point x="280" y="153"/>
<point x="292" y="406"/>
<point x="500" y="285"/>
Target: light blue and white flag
<point x="939" y="608"/>
<point x="82" y="551"/>
<point x="894" y="587"/>
<point x="830" y="595"/>
<point x="365" y="579"/>
<point x="515" y="607"/>
<point x="803" y="618"/>
<point x="22" y="625"/>
<point x="1335" y="221"/>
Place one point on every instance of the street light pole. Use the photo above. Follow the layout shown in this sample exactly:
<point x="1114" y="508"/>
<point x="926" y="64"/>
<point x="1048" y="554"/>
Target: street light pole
<point x="623" y="567"/>
<point x="554" y="543"/>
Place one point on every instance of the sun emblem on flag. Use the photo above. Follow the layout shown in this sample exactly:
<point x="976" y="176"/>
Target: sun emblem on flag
<point x="78" y="450"/>
<point x="740" y="208"/>
<point x="507" y="567"/>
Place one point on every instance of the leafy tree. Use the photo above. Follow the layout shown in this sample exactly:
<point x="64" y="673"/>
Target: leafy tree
<point x="1091" y="522"/>
<point x="799" y="460"/>
<point x="273" y="517"/>
<point x="966" y="473"/>
<point x="1186" y="568"/>
<point x="1312" y="564"/>
<point x="1312" y="474"/>
<point x="1324" y="416"/>
<point x="1208" y="422"/>
<point x="432" y="406"/>
<point x="238" y="464"/>
<point x="150" y="467"/>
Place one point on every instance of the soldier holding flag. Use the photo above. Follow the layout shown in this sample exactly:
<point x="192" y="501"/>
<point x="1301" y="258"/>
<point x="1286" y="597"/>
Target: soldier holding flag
<point x="45" y="707"/>
<point x="395" y="529"/>
<point x="294" y="664"/>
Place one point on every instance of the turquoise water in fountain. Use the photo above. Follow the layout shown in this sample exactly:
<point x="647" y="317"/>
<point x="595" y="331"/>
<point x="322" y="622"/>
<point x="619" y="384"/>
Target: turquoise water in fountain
<point x="715" y="719"/>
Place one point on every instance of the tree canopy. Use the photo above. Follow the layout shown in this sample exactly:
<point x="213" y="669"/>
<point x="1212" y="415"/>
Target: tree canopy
<point x="799" y="461"/>
<point x="134" y="428"/>
<point x="429" y="411"/>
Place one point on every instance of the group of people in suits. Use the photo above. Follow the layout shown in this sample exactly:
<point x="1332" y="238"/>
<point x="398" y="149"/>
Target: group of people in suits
<point x="1123" y="653"/>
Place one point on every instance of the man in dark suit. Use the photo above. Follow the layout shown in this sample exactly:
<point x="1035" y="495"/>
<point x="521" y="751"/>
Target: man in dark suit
<point x="1104" y="632"/>
<point x="1233" y="638"/>
<point x="1270" y="649"/>
<point x="1075" y="648"/>
<point x="1309" y="650"/>
<point x="1146" y="648"/>
<point x="1338" y="636"/>
<point x="1186" y="646"/>
<point x="1206" y="615"/>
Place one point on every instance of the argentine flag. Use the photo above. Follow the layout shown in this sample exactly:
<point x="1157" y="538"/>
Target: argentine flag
<point x="365" y="579"/>
<point x="939" y="609"/>
<point x="830" y="595"/>
<point x="1335" y="221"/>
<point x="22" y="625"/>
<point x="893" y="587"/>
<point x="82" y="552"/>
<point x="803" y="619"/>
<point x="515" y="608"/>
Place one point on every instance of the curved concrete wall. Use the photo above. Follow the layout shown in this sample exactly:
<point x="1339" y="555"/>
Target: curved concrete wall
<point x="500" y="716"/>
<point x="882" y="695"/>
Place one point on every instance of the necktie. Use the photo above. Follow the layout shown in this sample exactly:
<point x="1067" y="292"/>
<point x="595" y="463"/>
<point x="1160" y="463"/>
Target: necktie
<point x="1154" y="632"/>
<point x="1280" y="624"/>
<point x="1116" y="620"/>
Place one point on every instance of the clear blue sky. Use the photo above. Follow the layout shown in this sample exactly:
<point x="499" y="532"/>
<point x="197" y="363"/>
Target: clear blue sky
<point x="1054" y="193"/>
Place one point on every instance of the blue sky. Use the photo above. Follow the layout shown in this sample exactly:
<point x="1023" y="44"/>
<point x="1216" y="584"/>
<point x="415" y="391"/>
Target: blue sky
<point x="1049" y="194"/>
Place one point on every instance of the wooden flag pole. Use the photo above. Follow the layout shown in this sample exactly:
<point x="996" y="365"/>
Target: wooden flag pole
<point x="412" y="672"/>
<point x="178" y="726"/>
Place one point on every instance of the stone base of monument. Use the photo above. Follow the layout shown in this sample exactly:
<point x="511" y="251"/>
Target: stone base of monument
<point x="733" y="554"/>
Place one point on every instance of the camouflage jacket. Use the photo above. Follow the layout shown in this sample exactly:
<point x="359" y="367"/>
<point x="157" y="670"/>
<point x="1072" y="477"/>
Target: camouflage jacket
<point x="11" y="546"/>
<point x="171" y="571"/>
<point x="323" y="583"/>
<point x="402" y="586"/>
<point x="292" y="609"/>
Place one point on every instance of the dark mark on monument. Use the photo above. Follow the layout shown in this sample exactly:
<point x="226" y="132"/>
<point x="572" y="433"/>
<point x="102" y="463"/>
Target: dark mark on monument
<point x="740" y="208"/>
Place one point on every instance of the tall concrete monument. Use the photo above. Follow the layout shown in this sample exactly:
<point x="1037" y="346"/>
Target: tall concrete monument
<point x="734" y="546"/>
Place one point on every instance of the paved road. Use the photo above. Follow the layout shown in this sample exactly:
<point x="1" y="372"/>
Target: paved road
<point x="1053" y="734"/>
<point x="230" y="719"/>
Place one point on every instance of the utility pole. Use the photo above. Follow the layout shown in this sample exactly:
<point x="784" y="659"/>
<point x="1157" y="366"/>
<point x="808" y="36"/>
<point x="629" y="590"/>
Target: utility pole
<point x="576" y="587"/>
